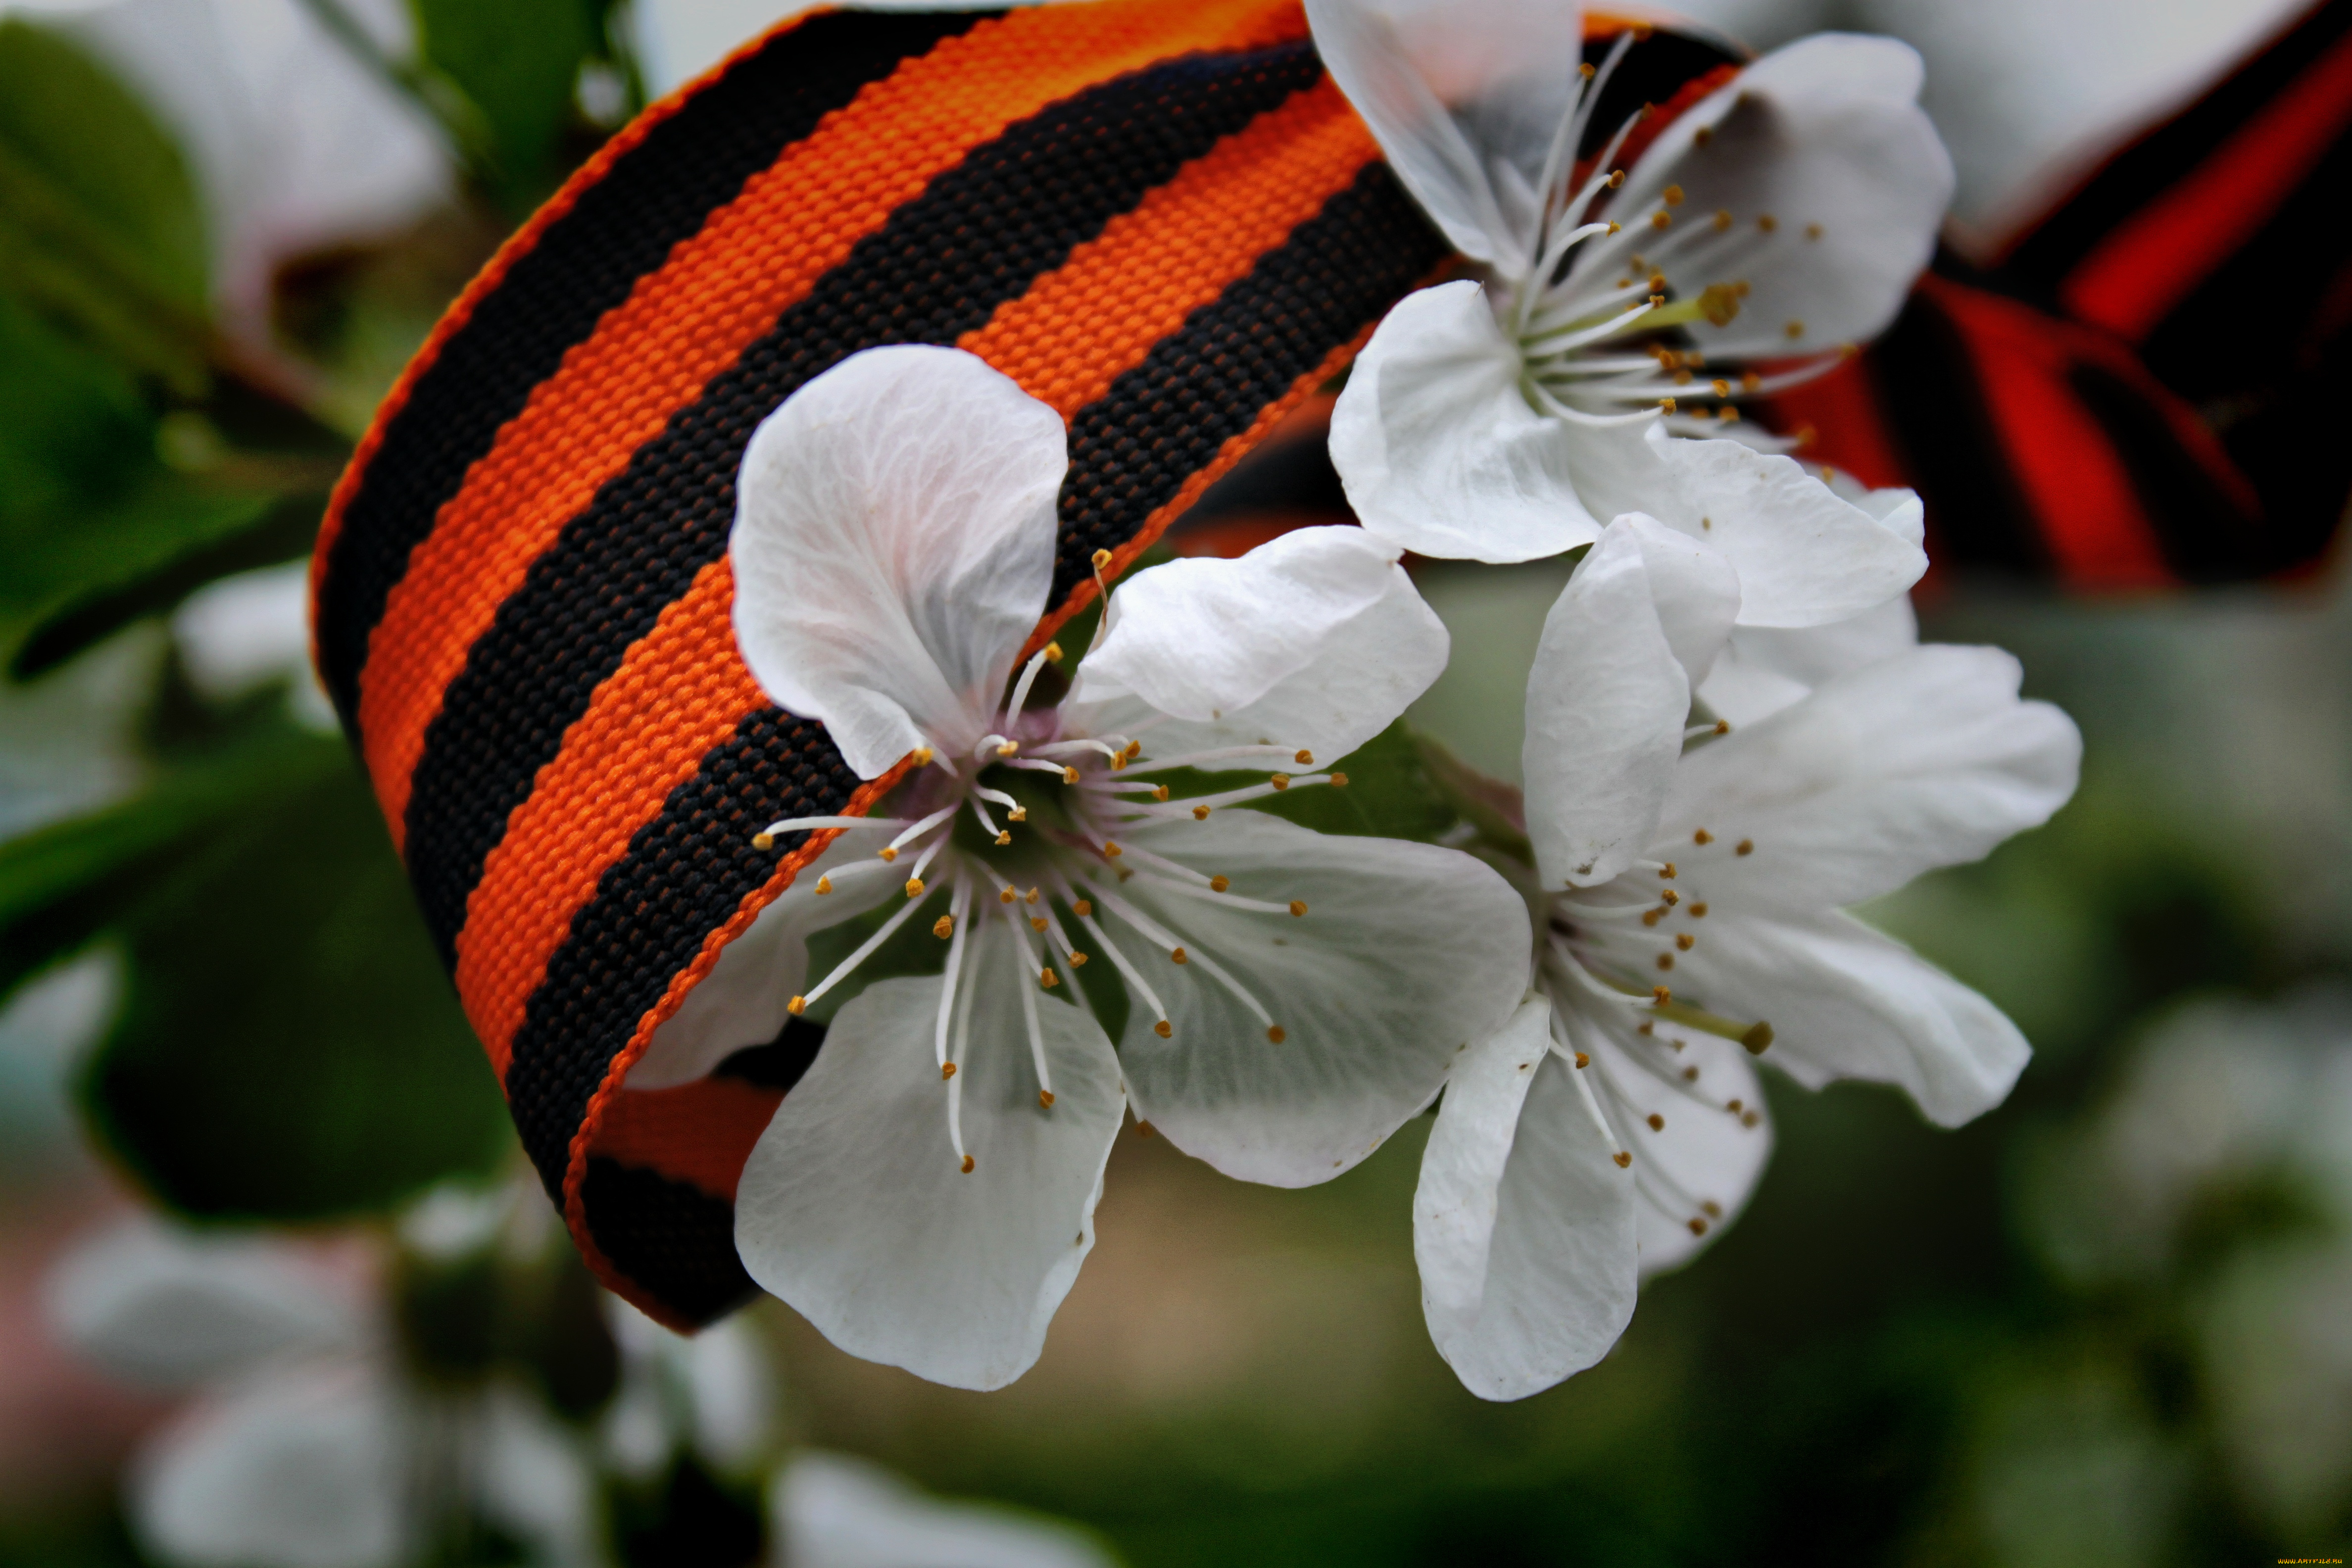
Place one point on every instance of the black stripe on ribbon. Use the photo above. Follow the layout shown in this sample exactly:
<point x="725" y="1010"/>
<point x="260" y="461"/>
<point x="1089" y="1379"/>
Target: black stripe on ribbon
<point x="660" y="192"/>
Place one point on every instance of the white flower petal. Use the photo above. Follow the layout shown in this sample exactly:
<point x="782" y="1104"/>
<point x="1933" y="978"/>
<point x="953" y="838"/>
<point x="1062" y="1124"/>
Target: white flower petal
<point x="157" y="1305"/>
<point x="1804" y="556"/>
<point x="536" y="1481"/>
<point x="1823" y="137"/>
<point x="1406" y="953"/>
<point x="1704" y="1154"/>
<point x="852" y="1208"/>
<point x="1846" y="1002"/>
<point x="1766" y="668"/>
<point x="1442" y="454"/>
<point x="1694" y="589"/>
<point x="1316" y="639"/>
<point x="894" y="545"/>
<point x="1922" y="759"/>
<point x="1522" y="1225"/>
<point x="742" y="1002"/>
<point x="833" y="1512"/>
<point x="1465" y="97"/>
<point x="1606" y="701"/>
<point x="304" y="1468"/>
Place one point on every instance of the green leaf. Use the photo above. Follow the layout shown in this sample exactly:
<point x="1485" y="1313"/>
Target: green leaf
<point x="518" y="62"/>
<point x="73" y="429"/>
<point x="287" y="1048"/>
<point x="99" y="223"/>
<point x="80" y="582"/>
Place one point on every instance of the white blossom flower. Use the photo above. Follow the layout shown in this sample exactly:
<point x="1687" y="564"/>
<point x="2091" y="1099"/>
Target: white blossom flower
<point x="1509" y="417"/>
<point x="925" y="1195"/>
<point x="1693" y="882"/>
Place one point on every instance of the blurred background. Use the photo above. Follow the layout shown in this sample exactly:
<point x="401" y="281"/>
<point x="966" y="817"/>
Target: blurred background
<point x="2109" y="1323"/>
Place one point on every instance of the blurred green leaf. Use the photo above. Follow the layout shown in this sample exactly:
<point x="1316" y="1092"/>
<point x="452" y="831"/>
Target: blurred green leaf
<point x="288" y="1048"/>
<point x="1389" y="794"/>
<point x="518" y="63"/>
<point x="100" y="224"/>
<point x="72" y="426"/>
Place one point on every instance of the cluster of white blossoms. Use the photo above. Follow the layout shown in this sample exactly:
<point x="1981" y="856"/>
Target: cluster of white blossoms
<point x="1732" y="733"/>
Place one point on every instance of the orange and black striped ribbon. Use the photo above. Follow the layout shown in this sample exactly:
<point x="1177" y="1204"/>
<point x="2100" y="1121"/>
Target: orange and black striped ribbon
<point x="2129" y="399"/>
<point x="1159" y="216"/>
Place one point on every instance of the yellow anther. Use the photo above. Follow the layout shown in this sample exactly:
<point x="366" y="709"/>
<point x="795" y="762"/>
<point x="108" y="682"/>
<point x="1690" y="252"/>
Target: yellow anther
<point x="1703" y="135"/>
<point x="763" y="841"/>
<point x="1666" y="871"/>
<point x="1745" y="846"/>
<point x="1666" y="961"/>
<point x="1616" y="228"/>
<point x="824" y="886"/>
<point x="1582" y="1061"/>
<point x="1657" y="1122"/>
<point x="1134" y="750"/>
<point x="1280" y="780"/>
<point x="1682" y="378"/>
<point x="1119" y="762"/>
<point x="1144" y="1129"/>
<point x="1672" y="195"/>
<point x="1719" y="304"/>
<point x="1767" y="222"/>
<point x="922" y="756"/>
<point x="966" y="1167"/>
<point x="1656" y="301"/>
<point x="1219" y="884"/>
<point x="1274" y="1033"/>
<point x="947" y="1071"/>
<point x="1671" y="897"/>
<point x="1303" y="758"/>
<point x="1728" y="415"/>
<point x="914" y="887"/>
<point x="1069" y="775"/>
<point x="1647" y="1028"/>
<point x="1084" y="908"/>
<point x="1176" y="955"/>
<point x="1102" y="560"/>
<point x="1690" y="1075"/>
<point x="1660" y="995"/>
<point x="1623" y="1158"/>
<point x="1585" y="71"/>
<point x="1665" y="406"/>
<point x="1111" y="851"/>
<point x="1163" y="1029"/>
<point x="1339" y="781"/>
<point x="1794" y="330"/>
<point x="889" y="854"/>
<point x="1045" y="1098"/>
<point x="1037" y="923"/>
<point x="1006" y="896"/>
<point x="1160" y="794"/>
<point x="1298" y="908"/>
<point x="1018" y="814"/>
<point x="1685" y="942"/>
<point x="1749" y="1118"/>
<point x="1045" y="977"/>
<point x="1749" y="381"/>
<point x="1733" y="1106"/>
<point x="1199" y="813"/>
<point x="1710" y="1208"/>
<point x="1077" y="959"/>
<point x="1030" y="897"/>
<point x="944" y="927"/>
<point x="1650" y="917"/>
<point x="1812" y="231"/>
<point x="1053" y="653"/>
<point x="1756" y="1039"/>
<point x="1702" y="836"/>
<point x="1722" y="219"/>
<point x="1002" y="838"/>
<point x="1662" y="218"/>
<point x="1616" y="179"/>
<point x="1698" y="910"/>
<point x="1697" y="1226"/>
<point x="1722" y="387"/>
<point x="796" y="1006"/>
<point x="1007" y="748"/>
<point x="1723" y="727"/>
<point x="1657" y="282"/>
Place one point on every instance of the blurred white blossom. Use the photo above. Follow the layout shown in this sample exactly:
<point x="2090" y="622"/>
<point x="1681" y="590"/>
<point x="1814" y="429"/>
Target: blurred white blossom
<point x="242" y="631"/>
